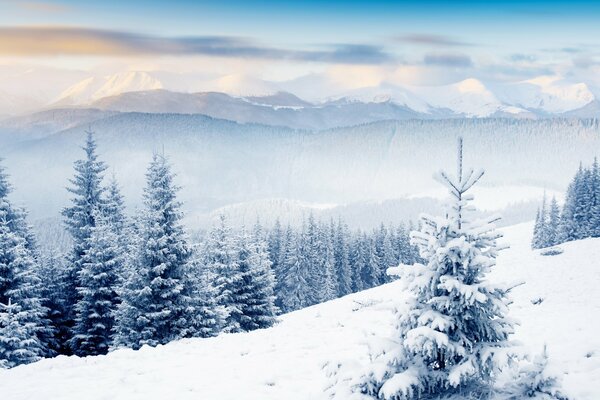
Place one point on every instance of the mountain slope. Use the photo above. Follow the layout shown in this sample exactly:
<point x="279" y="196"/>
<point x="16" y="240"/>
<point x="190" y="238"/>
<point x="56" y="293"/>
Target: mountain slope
<point x="287" y="361"/>
<point x="276" y="110"/>
<point x="222" y="162"/>
<point x="94" y="88"/>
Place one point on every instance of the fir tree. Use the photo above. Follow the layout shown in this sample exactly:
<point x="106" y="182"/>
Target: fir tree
<point x="18" y="343"/>
<point x="342" y="262"/>
<point x="98" y="281"/>
<point x="24" y="314"/>
<point x="552" y="231"/>
<point x="53" y="287"/>
<point x="456" y="331"/>
<point x="371" y="274"/>
<point x="255" y="293"/>
<point x="80" y="217"/>
<point x="294" y="290"/>
<point x="223" y="261"/>
<point x="359" y="260"/>
<point x="157" y="304"/>
<point x="209" y="316"/>
<point x="326" y="258"/>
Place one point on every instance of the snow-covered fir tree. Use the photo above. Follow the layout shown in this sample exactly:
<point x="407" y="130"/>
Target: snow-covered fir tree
<point x="18" y="344"/>
<point x="222" y="259"/>
<point x="80" y="217"/>
<point x="209" y="315"/>
<point x="52" y="271"/>
<point x="24" y="317"/>
<point x="157" y="304"/>
<point x="453" y="337"/>
<point x="326" y="259"/>
<point x="342" y="259"/>
<point x="553" y="221"/>
<point x="293" y="287"/>
<point x="98" y="281"/>
<point x="255" y="293"/>
<point x="371" y="275"/>
<point x="358" y="261"/>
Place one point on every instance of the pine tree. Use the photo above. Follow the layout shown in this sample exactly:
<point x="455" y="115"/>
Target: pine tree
<point x="24" y="314"/>
<point x="209" y="316"/>
<point x="223" y="261"/>
<point x="157" y="304"/>
<point x="275" y="247"/>
<point x="311" y="257"/>
<point x="18" y="343"/>
<point x="359" y="260"/>
<point x="294" y="290"/>
<point x="371" y="274"/>
<point x="326" y="258"/>
<point x="80" y="216"/>
<point x="52" y="273"/>
<point x="595" y="195"/>
<point x="98" y="281"/>
<point x="552" y="231"/>
<point x="456" y="331"/>
<point x="342" y="262"/>
<point x="255" y="294"/>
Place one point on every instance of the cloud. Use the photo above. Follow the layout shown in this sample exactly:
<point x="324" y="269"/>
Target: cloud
<point x="522" y="57"/>
<point x="431" y="40"/>
<point x="36" y="41"/>
<point x="448" y="59"/>
<point x="43" y="7"/>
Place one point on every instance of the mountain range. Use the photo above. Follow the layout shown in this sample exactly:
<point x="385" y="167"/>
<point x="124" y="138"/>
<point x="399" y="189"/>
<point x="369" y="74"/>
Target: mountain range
<point x="275" y="103"/>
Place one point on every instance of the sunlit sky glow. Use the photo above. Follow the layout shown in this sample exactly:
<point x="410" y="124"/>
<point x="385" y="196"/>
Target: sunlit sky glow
<point x="363" y="43"/>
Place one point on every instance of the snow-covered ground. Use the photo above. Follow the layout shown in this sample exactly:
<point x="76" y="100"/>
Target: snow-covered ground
<point x="286" y="362"/>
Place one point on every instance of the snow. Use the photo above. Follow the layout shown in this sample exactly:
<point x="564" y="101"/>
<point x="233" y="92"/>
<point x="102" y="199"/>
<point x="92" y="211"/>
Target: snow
<point x="94" y="88"/>
<point x="289" y="361"/>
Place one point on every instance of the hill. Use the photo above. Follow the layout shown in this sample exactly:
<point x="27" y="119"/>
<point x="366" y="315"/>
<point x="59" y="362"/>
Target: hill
<point x="558" y="306"/>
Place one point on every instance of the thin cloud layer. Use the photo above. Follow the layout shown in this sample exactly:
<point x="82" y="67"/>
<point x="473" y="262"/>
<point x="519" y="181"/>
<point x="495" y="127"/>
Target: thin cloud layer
<point x="448" y="59"/>
<point x="431" y="40"/>
<point x="48" y="41"/>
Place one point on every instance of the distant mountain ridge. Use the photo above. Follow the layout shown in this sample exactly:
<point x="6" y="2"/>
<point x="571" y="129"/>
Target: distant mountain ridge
<point x="242" y="99"/>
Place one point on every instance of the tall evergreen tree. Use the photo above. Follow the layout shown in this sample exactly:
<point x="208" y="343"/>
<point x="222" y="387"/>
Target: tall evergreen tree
<point x="371" y="275"/>
<point x="157" y="304"/>
<point x="540" y="228"/>
<point x="24" y="321"/>
<point x="456" y="331"/>
<point x="359" y="259"/>
<point x="342" y="262"/>
<point x="255" y="294"/>
<point x="326" y="258"/>
<point x="223" y="261"/>
<point x="553" y="221"/>
<point x="209" y="315"/>
<point x="80" y="217"/>
<point x="293" y="285"/>
<point x="594" y="188"/>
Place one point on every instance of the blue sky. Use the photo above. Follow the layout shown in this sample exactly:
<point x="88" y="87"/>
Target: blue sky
<point x="435" y="41"/>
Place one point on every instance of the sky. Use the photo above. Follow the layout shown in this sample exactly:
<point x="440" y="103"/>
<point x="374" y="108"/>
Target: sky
<point x="350" y="43"/>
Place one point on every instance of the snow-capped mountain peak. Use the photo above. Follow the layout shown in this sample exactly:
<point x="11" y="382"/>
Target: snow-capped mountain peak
<point x="94" y="88"/>
<point x="549" y="94"/>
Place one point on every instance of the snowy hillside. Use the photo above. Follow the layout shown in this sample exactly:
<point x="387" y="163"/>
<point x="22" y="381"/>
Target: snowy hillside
<point x="557" y="306"/>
